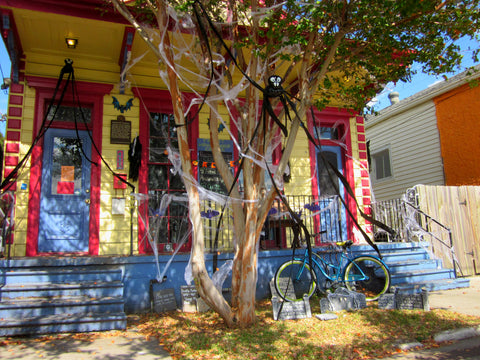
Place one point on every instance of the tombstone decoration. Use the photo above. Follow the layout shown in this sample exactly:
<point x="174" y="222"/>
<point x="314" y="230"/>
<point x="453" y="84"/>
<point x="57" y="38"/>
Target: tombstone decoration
<point x="189" y="298"/>
<point x="403" y="301"/>
<point x="285" y="310"/>
<point x="342" y="299"/>
<point x="163" y="300"/>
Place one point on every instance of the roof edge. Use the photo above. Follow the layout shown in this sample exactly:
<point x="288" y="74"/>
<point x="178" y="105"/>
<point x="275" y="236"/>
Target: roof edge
<point x="424" y="95"/>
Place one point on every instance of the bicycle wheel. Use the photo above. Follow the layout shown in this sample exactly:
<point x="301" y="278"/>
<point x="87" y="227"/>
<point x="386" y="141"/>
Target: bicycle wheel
<point x="367" y="275"/>
<point x="294" y="279"/>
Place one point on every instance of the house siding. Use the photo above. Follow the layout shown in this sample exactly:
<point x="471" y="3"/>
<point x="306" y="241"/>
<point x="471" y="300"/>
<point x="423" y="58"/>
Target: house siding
<point x="414" y="144"/>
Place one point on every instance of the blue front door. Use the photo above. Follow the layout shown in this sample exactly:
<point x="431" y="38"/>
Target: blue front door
<point x="65" y="194"/>
<point x="333" y="218"/>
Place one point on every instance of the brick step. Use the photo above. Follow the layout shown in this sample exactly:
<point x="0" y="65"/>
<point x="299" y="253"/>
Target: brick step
<point x="95" y="289"/>
<point x="63" y="323"/>
<point x="36" y="307"/>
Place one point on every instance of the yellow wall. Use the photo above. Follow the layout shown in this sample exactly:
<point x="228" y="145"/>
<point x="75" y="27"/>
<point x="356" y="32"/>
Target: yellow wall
<point x="25" y="119"/>
<point x="115" y="228"/>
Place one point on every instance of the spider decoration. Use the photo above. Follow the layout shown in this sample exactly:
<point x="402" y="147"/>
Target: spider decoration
<point x="274" y="88"/>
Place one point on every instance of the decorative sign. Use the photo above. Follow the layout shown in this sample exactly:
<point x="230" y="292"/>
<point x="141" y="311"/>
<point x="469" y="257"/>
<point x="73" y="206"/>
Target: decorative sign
<point x="208" y="175"/>
<point x="164" y="300"/>
<point x="402" y="301"/>
<point x="189" y="298"/>
<point x="120" y="159"/>
<point x="119" y="184"/>
<point x="286" y="310"/>
<point x="387" y="302"/>
<point x="67" y="173"/>
<point x="120" y="131"/>
<point x="412" y="301"/>
<point x="118" y="206"/>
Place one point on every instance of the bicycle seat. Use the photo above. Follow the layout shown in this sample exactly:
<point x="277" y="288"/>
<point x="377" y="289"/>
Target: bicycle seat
<point x="344" y="244"/>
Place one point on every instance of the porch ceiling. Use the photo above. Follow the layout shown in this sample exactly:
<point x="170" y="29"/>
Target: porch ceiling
<point x="41" y="36"/>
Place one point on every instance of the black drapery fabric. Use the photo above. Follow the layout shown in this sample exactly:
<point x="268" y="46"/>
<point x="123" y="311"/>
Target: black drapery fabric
<point x="134" y="157"/>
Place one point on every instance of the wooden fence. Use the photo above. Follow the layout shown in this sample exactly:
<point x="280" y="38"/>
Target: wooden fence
<point x="458" y="208"/>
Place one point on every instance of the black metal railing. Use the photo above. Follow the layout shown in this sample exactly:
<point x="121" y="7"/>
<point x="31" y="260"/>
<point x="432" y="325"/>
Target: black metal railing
<point x="319" y="215"/>
<point x="412" y="224"/>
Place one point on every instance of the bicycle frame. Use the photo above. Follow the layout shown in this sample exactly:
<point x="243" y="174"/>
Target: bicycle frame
<point x="319" y="264"/>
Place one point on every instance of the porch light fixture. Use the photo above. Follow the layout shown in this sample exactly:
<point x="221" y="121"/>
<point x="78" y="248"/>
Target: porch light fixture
<point x="71" y="43"/>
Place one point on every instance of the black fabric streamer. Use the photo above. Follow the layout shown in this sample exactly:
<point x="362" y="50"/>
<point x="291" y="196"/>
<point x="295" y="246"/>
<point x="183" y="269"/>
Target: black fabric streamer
<point x="134" y="157"/>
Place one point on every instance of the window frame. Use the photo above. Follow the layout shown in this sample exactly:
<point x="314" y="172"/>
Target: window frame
<point x="158" y="101"/>
<point x="375" y="155"/>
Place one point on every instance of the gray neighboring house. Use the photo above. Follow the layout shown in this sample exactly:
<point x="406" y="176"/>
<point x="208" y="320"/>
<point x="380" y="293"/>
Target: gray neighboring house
<point x="405" y="143"/>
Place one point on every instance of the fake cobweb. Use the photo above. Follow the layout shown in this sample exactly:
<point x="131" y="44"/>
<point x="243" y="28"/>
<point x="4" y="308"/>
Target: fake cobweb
<point x="413" y="225"/>
<point x="164" y="214"/>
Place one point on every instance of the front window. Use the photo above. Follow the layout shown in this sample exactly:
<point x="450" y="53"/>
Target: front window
<point x="168" y="211"/>
<point x="70" y="114"/>
<point x="381" y="164"/>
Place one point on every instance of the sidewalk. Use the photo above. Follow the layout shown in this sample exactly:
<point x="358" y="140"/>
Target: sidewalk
<point x="464" y="346"/>
<point x="464" y="301"/>
<point x="126" y="345"/>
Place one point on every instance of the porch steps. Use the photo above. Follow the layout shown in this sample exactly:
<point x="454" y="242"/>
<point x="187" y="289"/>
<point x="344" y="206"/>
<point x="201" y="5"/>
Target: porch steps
<point x="53" y="299"/>
<point x="412" y="268"/>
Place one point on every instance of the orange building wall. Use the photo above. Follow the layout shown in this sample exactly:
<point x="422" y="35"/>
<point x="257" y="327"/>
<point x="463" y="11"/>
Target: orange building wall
<point x="458" y="119"/>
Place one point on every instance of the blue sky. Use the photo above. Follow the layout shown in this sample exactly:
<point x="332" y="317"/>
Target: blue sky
<point x="5" y="64"/>
<point x="419" y="82"/>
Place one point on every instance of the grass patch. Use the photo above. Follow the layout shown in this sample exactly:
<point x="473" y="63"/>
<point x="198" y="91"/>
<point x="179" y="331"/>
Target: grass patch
<point x="365" y="334"/>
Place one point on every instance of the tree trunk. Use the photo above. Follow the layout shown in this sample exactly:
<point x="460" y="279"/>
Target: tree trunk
<point x="203" y="282"/>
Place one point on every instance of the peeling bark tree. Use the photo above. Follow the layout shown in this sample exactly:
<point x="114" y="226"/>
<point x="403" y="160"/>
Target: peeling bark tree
<point x="323" y="50"/>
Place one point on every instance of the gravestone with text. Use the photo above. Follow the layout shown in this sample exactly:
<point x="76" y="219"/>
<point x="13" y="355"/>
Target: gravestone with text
<point x="286" y="310"/>
<point x="164" y="300"/>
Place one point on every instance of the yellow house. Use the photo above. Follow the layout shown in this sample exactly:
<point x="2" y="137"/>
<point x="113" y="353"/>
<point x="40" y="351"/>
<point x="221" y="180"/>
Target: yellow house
<point x="86" y="150"/>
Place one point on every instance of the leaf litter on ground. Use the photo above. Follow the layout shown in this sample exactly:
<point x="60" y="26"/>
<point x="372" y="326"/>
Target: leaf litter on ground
<point x="363" y="334"/>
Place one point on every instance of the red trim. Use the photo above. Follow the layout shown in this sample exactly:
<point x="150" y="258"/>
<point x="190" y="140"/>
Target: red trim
<point x="16" y="99"/>
<point x="157" y="101"/>
<point x="12" y="148"/>
<point x="89" y="9"/>
<point x="11" y="160"/>
<point x="15" y="111"/>
<point x="16" y="89"/>
<point x="340" y="118"/>
<point x="89" y="93"/>
<point x="13" y="135"/>
<point x="14" y="123"/>
<point x="128" y="37"/>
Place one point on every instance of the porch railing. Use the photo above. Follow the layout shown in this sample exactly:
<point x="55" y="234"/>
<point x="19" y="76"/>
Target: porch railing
<point x="412" y="224"/>
<point x="319" y="215"/>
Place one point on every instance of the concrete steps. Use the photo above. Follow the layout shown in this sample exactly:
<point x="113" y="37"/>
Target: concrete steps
<point x="55" y="299"/>
<point x="412" y="268"/>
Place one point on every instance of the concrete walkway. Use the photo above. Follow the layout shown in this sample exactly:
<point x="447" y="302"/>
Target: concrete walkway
<point x="465" y="342"/>
<point x="464" y="301"/>
<point x="126" y="345"/>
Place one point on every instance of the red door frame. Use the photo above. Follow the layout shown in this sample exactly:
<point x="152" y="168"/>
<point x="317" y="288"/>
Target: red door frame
<point x="91" y="94"/>
<point x="339" y="118"/>
<point x="152" y="100"/>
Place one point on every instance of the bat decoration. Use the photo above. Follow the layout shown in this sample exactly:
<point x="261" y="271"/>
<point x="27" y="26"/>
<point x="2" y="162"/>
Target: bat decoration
<point x="220" y="126"/>
<point x="122" y="108"/>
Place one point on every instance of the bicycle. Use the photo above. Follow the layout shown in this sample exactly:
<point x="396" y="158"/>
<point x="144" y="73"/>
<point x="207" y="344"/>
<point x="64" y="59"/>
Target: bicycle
<point x="365" y="274"/>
